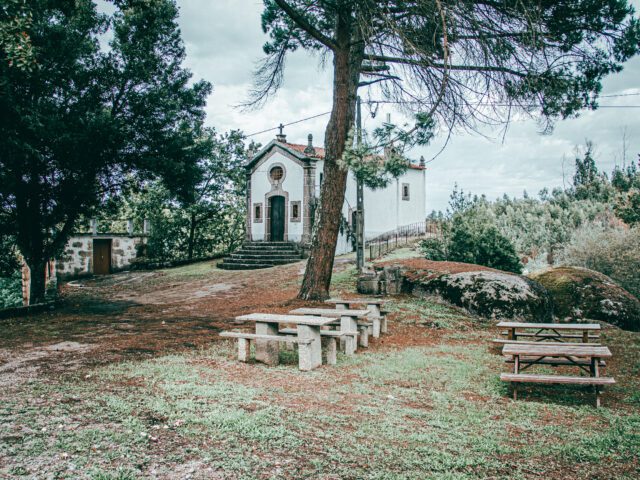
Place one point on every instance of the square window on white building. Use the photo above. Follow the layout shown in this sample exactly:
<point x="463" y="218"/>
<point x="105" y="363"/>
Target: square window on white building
<point x="295" y="211"/>
<point x="405" y="191"/>
<point x="257" y="213"/>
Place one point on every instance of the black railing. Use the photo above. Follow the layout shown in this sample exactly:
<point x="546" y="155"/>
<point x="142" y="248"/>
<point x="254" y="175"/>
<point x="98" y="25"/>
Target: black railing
<point x="388" y="241"/>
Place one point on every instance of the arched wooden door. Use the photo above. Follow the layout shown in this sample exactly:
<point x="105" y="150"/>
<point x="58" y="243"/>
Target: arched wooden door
<point x="276" y="226"/>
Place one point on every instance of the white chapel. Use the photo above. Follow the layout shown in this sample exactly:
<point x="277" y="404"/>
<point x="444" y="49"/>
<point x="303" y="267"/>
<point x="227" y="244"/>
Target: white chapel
<point x="283" y="183"/>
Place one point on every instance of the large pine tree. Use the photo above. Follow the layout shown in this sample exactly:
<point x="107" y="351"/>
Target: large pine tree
<point x="78" y="115"/>
<point x="454" y="62"/>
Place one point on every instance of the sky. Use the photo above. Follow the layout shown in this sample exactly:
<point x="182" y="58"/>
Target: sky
<point x="224" y="41"/>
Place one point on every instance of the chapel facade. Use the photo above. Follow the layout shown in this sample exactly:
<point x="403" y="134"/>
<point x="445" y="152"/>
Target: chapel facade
<point x="283" y="184"/>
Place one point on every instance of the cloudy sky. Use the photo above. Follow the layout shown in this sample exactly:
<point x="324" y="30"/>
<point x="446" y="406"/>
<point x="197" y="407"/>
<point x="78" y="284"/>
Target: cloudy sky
<point x="224" y="40"/>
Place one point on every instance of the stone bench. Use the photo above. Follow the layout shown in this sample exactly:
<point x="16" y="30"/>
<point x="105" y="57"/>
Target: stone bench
<point x="329" y="342"/>
<point x="245" y="338"/>
<point x="377" y="314"/>
<point x="516" y="378"/>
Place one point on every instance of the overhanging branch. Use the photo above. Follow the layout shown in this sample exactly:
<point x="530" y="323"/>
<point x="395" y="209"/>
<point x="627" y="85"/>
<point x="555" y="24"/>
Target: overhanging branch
<point x="304" y="24"/>
<point x="442" y="66"/>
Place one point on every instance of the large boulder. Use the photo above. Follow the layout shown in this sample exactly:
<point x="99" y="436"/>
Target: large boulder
<point x="580" y="294"/>
<point x="491" y="294"/>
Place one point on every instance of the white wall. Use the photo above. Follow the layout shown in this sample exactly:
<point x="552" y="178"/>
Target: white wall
<point x="293" y="184"/>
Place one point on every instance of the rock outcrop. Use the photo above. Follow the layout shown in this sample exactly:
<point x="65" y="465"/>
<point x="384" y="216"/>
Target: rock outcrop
<point x="580" y="294"/>
<point x="490" y="294"/>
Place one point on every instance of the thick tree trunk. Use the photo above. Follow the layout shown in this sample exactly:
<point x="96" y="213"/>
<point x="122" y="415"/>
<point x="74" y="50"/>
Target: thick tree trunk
<point x="37" y="282"/>
<point x="347" y="61"/>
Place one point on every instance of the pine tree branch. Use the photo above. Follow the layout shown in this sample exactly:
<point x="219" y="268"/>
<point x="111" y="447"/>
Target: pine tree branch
<point x="471" y="68"/>
<point x="305" y="25"/>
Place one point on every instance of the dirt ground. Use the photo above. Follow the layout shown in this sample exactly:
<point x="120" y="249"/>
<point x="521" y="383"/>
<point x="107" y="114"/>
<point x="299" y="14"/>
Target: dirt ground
<point x="132" y="314"/>
<point x="116" y="336"/>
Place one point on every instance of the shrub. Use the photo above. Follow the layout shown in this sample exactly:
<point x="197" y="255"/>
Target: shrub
<point x="474" y="238"/>
<point x="434" y="249"/>
<point x="613" y="252"/>
<point x="11" y="291"/>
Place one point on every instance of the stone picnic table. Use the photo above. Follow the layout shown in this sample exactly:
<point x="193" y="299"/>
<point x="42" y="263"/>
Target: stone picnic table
<point x="556" y="332"/>
<point x="267" y="337"/>
<point x="348" y="323"/>
<point x="374" y="305"/>
<point x="588" y="358"/>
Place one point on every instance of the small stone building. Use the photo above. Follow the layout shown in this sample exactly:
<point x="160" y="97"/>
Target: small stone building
<point x="99" y="254"/>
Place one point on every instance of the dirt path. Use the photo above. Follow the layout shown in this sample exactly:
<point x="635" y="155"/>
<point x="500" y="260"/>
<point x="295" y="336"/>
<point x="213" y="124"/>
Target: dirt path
<point x="134" y="314"/>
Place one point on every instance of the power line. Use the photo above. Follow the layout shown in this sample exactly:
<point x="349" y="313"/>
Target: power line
<point x="374" y="102"/>
<point x="288" y="124"/>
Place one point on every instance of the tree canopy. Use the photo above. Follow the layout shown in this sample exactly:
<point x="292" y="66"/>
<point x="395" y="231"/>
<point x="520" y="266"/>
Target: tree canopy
<point x="106" y="99"/>
<point x="451" y="63"/>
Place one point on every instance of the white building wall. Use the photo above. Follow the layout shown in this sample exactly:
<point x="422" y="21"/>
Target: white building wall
<point x="385" y="209"/>
<point x="292" y="184"/>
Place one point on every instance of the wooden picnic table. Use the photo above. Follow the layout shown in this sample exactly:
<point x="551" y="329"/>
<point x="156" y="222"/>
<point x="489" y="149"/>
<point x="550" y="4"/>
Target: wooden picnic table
<point x="348" y="322"/>
<point x="308" y="334"/>
<point x="585" y="357"/>
<point x="557" y="332"/>
<point x="374" y="305"/>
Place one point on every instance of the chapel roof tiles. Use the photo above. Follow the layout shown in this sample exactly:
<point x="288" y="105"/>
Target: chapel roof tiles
<point x="320" y="152"/>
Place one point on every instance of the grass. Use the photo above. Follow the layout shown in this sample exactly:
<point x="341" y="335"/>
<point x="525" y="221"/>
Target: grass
<point x="420" y="412"/>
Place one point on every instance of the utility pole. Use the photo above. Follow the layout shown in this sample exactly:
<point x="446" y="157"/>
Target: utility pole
<point x="359" y="197"/>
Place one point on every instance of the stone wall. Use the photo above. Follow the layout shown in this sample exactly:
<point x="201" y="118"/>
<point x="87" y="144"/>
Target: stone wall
<point x="77" y="257"/>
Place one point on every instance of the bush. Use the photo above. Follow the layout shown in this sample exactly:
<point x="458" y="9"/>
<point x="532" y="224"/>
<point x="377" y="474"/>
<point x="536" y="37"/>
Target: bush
<point x="434" y="249"/>
<point x="11" y="291"/>
<point x="474" y="238"/>
<point x="613" y="252"/>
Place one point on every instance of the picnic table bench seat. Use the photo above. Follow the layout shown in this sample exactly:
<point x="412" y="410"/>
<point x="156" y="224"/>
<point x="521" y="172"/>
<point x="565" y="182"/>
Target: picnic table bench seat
<point x="267" y="338"/>
<point x="506" y="341"/>
<point x="329" y="342"/>
<point x="375" y="307"/>
<point x="245" y="338"/>
<point x="556" y="379"/>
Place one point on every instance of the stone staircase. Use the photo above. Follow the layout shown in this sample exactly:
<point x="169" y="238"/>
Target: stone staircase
<point x="254" y="255"/>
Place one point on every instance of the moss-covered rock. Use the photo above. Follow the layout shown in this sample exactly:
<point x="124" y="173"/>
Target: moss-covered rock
<point x="489" y="294"/>
<point x="580" y="293"/>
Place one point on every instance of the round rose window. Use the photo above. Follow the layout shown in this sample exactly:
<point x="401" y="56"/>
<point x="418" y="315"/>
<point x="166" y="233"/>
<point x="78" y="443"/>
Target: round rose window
<point x="276" y="174"/>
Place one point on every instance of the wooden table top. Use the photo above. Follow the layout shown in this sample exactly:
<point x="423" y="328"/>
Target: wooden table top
<point x="556" y="350"/>
<point x="357" y="301"/>
<point x="329" y="312"/>
<point x="556" y="326"/>
<point x="313" y="321"/>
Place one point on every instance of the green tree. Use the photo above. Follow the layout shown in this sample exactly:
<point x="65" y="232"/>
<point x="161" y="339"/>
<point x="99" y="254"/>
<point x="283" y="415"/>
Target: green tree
<point x="211" y="222"/>
<point x="475" y="238"/>
<point x="16" y="49"/>
<point x="85" y="118"/>
<point x="441" y="58"/>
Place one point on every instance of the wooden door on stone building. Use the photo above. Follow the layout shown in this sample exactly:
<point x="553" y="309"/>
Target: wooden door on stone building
<point x="101" y="256"/>
<point x="277" y="218"/>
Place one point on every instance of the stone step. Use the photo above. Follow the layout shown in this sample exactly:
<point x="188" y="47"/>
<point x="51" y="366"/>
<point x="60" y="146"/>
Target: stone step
<point x="242" y="266"/>
<point x="258" y="261"/>
<point x="270" y="244"/>
<point x="262" y="248"/>
<point x="266" y="256"/>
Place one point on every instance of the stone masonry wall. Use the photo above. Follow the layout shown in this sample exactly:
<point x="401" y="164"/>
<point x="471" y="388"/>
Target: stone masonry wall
<point x="77" y="257"/>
